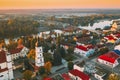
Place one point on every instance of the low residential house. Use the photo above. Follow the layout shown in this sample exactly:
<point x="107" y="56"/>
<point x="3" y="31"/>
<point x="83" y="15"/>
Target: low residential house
<point x="53" y="34"/>
<point x="6" y="71"/>
<point x="78" y="75"/>
<point x="99" y="73"/>
<point x="83" y="39"/>
<point x="113" y="38"/>
<point x="79" y="66"/>
<point x="117" y="47"/>
<point x="84" y="50"/>
<point x="89" y="68"/>
<point x="114" y="26"/>
<point x="117" y="52"/>
<point x="70" y="30"/>
<point x="66" y="76"/>
<point x="78" y="30"/>
<point x="19" y="52"/>
<point x="110" y="39"/>
<point x="100" y="46"/>
<point x="48" y="78"/>
<point x="67" y="45"/>
<point x="58" y="32"/>
<point x="109" y="59"/>
<point x="57" y="77"/>
<point x="117" y="35"/>
<point x="118" y="23"/>
<point x="44" y="34"/>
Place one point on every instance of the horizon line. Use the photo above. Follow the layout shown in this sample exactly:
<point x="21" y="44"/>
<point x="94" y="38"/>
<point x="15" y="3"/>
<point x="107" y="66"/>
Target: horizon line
<point x="60" y="8"/>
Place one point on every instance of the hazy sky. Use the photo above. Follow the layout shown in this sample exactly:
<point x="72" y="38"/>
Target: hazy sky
<point x="41" y="4"/>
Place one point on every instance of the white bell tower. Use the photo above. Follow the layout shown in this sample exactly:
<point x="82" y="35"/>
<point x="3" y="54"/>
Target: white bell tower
<point x="9" y="65"/>
<point x="39" y="59"/>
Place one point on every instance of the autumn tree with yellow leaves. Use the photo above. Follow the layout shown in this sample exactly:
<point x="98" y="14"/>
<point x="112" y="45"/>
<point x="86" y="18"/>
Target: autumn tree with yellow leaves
<point x="31" y="54"/>
<point x="48" y="66"/>
<point x="12" y="44"/>
<point x="20" y="41"/>
<point x="27" y="75"/>
<point x="113" y="76"/>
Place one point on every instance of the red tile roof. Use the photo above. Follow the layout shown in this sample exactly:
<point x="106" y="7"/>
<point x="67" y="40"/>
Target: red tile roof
<point x="70" y="29"/>
<point x="110" y="57"/>
<point x="17" y="50"/>
<point x="80" y="74"/>
<point x="20" y="46"/>
<point x="82" y="47"/>
<point x="66" y="77"/>
<point x="2" y="56"/>
<point x="2" y="70"/>
<point x="117" y="35"/>
<point x="90" y="46"/>
<point x="47" y="78"/>
<point x="110" y="37"/>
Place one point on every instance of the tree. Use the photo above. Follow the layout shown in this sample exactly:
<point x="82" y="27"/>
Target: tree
<point x="42" y="70"/>
<point x="48" y="57"/>
<point x="103" y="50"/>
<point x="2" y="43"/>
<point x="46" y="48"/>
<point x="12" y="44"/>
<point x="31" y="54"/>
<point x="32" y="42"/>
<point x="70" y="50"/>
<point x="113" y="77"/>
<point x="62" y="52"/>
<point x="70" y="65"/>
<point x="53" y="47"/>
<point x="27" y="75"/>
<point x="27" y="65"/>
<point x="58" y="40"/>
<point x="18" y="27"/>
<point x="20" y="41"/>
<point x="57" y="57"/>
<point x="48" y="66"/>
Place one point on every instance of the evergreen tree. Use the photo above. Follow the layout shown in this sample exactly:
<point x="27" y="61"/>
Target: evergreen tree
<point x="62" y="52"/>
<point x="42" y="70"/>
<point x="57" y="57"/>
<point x="70" y="65"/>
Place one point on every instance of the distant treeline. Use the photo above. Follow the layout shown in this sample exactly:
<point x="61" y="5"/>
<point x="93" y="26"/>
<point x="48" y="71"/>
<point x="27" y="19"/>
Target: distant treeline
<point x="14" y="27"/>
<point x="26" y="26"/>
<point x="86" y="20"/>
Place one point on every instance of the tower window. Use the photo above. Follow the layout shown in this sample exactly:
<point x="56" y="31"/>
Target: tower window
<point x="40" y="50"/>
<point x="1" y="75"/>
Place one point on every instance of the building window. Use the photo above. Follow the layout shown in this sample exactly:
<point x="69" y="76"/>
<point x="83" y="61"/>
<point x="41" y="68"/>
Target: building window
<point x="40" y="50"/>
<point x="40" y="60"/>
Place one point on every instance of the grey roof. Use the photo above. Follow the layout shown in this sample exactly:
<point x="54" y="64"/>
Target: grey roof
<point x="100" y="71"/>
<point x="57" y="77"/>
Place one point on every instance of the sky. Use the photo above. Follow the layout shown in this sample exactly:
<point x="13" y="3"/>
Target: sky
<point x="54" y="4"/>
